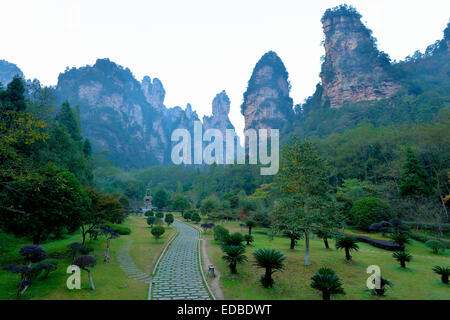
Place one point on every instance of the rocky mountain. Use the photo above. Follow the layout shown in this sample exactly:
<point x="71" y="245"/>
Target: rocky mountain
<point x="267" y="103"/>
<point x="220" y="110"/>
<point x="354" y="70"/>
<point x="8" y="71"/>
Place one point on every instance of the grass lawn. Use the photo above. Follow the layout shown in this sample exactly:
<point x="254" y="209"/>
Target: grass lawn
<point x="110" y="280"/>
<point x="418" y="281"/>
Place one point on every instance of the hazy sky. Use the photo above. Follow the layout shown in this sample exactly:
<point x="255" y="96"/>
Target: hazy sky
<point x="199" y="47"/>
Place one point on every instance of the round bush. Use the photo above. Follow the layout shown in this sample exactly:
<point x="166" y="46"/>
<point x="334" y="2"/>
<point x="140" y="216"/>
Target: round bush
<point x="435" y="245"/>
<point x="221" y="233"/>
<point x="158" y="231"/>
<point x="160" y="214"/>
<point x="368" y="211"/>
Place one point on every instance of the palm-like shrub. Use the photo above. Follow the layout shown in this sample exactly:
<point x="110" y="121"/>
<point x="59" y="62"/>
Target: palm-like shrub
<point x="234" y="255"/>
<point x="402" y="257"/>
<point x="271" y="260"/>
<point x="347" y="243"/>
<point x="435" y="245"/>
<point x="234" y="239"/>
<point x="401" y="239"/>
<point x="382" y="289"/>
<point x="248" y="238"/>
<point x="444" y="272"/>
<point x="326" y="281"/>
<point x="250" y="224"/>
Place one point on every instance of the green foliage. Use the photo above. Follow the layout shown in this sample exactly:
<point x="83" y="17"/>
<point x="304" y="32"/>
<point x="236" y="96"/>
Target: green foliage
<point x="234" y="255"/>
<point x="250" y="224"/>
<point x="367" y="211"/>
<point x="149" y="213"/>
<point x="444" y="272"/>
<point x="151" y="220"/>
<point x="271" y="260"/>
<point x="187" y="216"/>
<point x="169" y="219"/>
<point x="208" y="205"/>
<point x="234" y="239"/>
<point x="221" y="233"/>
<point x="157" y="231"/>
<point x="248" y="238"/>
<point x="326" y="281"/>
<point x="161" y="198"/>
<point x="435" y="245"/>
<point x="119" y="229"/>
<point x="196" y="217"/>
<point x="400" y="238"/>
<point x="402" y="257"/>
<point x="414" y="180"/>
<point x="348" y="244"/>
<point x="159" y="214"/>
<point x="181" y="203"/>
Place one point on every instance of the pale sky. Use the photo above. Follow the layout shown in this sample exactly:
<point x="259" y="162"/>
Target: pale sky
<point x="198" y="48"/>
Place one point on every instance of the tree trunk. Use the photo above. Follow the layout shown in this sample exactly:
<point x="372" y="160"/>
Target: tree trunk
<point x="83" y="234"/>
<point x="250" y="230"/>
<point x="347" y="254"/>
<point x="403" y="264"/>
<point x="445" y="278"/>
<point x="91" y="280"/>
<point x="107" y="250"/>
<point x="326" y="295"/>
<point x="268" y="278"/>
<point x="292" y="243"/>
<point x="233" y="267"/>
<point x="37" y="238"/>
<point x="325" y="240"/>
<point x="306" y="248"/>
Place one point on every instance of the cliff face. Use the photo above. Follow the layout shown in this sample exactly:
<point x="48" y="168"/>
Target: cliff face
<point x="8" y="71"/>
<point x="219" y="118"/>
<point x="266" y="102"/>
<point x="354" y="70"/>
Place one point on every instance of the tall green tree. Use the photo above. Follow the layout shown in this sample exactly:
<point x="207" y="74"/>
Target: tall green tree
<point x="414" y="180"/>
<point x="68" y="118"/>
<point x="161" y="198"/>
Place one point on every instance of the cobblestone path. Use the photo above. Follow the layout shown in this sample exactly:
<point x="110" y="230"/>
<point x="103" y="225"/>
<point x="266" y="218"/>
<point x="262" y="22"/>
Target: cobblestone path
<point x="127" y="264"/>
<point x="178" y="275"/>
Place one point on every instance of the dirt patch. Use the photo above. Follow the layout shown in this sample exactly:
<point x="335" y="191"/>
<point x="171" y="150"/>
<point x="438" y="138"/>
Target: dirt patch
<point x="214" y="284"/>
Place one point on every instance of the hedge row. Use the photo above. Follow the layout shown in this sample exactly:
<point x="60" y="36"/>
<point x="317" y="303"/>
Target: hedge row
<point x="424" y="238"/>
<point x="382" y="244"/>
<point x="445" y="227"/>
<point x="119" y="229"/>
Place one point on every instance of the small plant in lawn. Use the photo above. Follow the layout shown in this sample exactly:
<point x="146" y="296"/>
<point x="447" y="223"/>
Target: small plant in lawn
<point x="326" y="281"/>
<point x="382" y="290"/>
<point x="271" y="260"/>
<point x="157" y="231"/>
<point x="402" y="257"/>
<point x="248" y="238"/>
<point x="151" y="220"/>
<point x="444" y="272"/>
<point x="85" y="263"/>
<point x="401" y="239"/>
<point x="169" y="219"/>
<point x="348" y="244"/>
<point x="160" y="214"/>
<point x="250" y="224"/>
<point x="234" y="255"/>
<point x="221" y="233"/>
<point x="435" y="245"/>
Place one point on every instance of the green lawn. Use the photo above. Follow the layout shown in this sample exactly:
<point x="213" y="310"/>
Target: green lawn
<point x="110" y="281"/>
<point x="416" y="282"/>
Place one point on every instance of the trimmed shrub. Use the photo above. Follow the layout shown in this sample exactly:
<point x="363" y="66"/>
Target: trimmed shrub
<point x="196" y="217"/>
<point x="382" y="244"/>
<point x="149" y="213"/>
<point x="119" y="229"/>
<point x="159" y="214"/>
<point x="367" y="211"/>
<point x="157" y="232"/>
<point x="435" y="245"/>
<point x="221" y="233"/>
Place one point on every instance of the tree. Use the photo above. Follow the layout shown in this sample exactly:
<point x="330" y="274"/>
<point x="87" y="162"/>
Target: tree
<point x="435" y="245"/>
<point x="87" y="148"/>
<point x="294" y="236"/>
<point x="169" y="219"/>
<point x="402" y="257"/>
<point x="66" y="117"/>
<point x="161" y="198"/>
<point x="271" y="260"/>
<point x="196" y="217"/>
<point x="250" y="224"/>
<point x="85" y="263"/>
<point x="234" y="255"/>
<point x="45" y="201"/>
<point x="444" y="272"/>
<point x="221" y="233"/>
<point x="324" y="234"/>
<point x="208" y="205"/>
<point x="248" y="238"/>
<point x="159" y="215"/>
<point x="157" y="231"/>
<point x="305" y="192"/>
<point x="414" y="180"/>
<point x="326" y="281"/>
<point x="367" y="211"/>
<point x="187" y="216"/>
<point x="104" y="208"/>
<point x="151" y="220"/>
<point x="181" y="204"/>
<point x="109" y="234"/>
<point x="401" y="239"/>
<point x="347" y="243"/>
<point x="234" y="239"/>
<point x="13" y="99"/>
<point x="77" y="247"/>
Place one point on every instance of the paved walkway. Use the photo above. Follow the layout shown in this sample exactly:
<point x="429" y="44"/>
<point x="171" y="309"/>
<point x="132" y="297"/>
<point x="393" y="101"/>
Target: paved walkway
<point x="178" y="275"/>
<point x="127" y="264"/>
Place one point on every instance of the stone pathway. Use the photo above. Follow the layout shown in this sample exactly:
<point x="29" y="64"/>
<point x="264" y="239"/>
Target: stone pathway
<point x="127" y="264"/>
<point x="178" y="275"/>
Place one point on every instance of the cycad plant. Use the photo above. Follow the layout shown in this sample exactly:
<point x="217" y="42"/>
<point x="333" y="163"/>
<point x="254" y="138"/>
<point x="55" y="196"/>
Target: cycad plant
<point x="234" y="255"/>
<point x="271" y="260"/>
<point x="444" y="272"/>
<point x="382" y="289"/>
<point x="347" y="243"/>
<point x="402" y="257"/>
<point x="401" y="239"/>
<point x="326" y="281"/>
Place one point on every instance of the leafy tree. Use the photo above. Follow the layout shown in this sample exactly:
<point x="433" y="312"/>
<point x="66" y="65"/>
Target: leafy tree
<point x="271" y="260"/>
<point x="46" y="201"/>
<point x="294" y="235"/>
<point x="149" y="213"/>
<point x="414" y="180"/>
<point x="85" y="263"/>
<point x="169" y="219"/>
<point x="187" y="216"/>
<point x="13" y="99"/>
<point x="250" y="224"/>
<point x="401" y="239"/>
<point x="66" y="117"/>
<point x="151" y="220"/>
<point x="208" y="205"/>
<point x="157" y="231"/>
<point x="444" y="272"/>
<point x="87" y="148"/>
<point x="304" y="187"/>
<point x="196" y="217"/>
<point x="181" y="204"/>
<point x="248" y="238"/>
<point x="324" y="234"/>
<point x="326" y="281"/>
<point x="109" y="234"/>
<point x="348" y="244"/>
<point x="402" y="257"/>
<point x="367" y="211"/>
<point x="76" y="248"/>
<point x="159" y="214"/>
<point x="221" y="233"/>
<point x="435" y="245"/>
<point x="234" y="255"/>
<point x="161" y="198"/>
